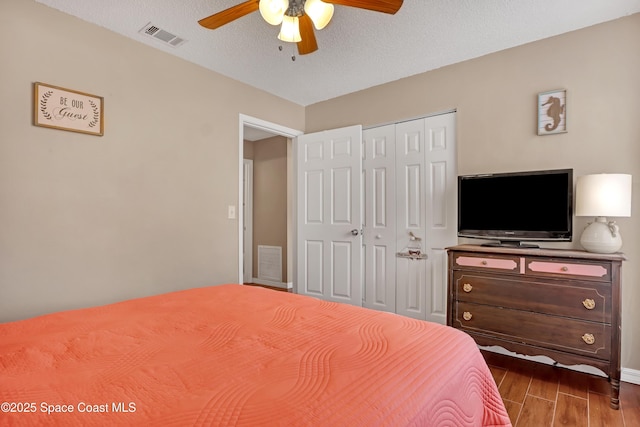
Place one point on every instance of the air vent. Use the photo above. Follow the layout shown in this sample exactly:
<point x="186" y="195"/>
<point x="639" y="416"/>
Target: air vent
<point x="159" y="34"/>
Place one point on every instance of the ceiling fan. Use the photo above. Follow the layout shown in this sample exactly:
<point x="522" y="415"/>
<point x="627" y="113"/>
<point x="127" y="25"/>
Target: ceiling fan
<point x="298" y="17"/>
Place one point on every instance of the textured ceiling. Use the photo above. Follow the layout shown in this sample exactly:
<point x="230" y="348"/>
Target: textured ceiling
<point x="358" y="49"/>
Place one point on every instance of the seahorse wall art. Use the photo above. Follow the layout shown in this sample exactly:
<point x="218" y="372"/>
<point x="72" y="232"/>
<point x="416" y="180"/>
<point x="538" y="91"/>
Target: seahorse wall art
<point x="554" y="111"/>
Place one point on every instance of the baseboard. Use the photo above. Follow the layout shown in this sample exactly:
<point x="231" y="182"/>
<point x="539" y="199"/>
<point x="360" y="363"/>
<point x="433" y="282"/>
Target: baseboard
<point x="630" y="376"/>
<point x="627" y="375"/>
<point x="281" y="285"/>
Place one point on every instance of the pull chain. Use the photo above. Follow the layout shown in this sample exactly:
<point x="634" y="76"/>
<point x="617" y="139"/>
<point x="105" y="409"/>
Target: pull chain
<point x="293" y="55"/>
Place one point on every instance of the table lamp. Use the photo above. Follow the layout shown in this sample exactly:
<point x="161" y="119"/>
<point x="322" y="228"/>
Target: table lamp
<point x="601" y="196"/>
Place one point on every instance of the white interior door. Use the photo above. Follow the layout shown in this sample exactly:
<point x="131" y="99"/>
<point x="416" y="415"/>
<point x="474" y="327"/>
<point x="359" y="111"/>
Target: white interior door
<point x="426" y="208"/>
<point x="329" y="215"/>
<point x="379" y="208"/>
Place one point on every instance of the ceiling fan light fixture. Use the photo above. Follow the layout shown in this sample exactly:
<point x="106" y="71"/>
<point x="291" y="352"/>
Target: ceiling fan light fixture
<point x="290" y="30"/>
<point x="319" y="12"/>
<point x="273" y="11"/>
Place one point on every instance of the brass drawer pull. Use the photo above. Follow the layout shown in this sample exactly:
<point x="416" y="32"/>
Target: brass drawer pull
<point x="484" y="262"/>
<point x="467" y="287"/>
<point x="467" y="316"/>
<point x="564" y="268"/>
<point x="588" y="338"/>
<point x="589" y="304"/>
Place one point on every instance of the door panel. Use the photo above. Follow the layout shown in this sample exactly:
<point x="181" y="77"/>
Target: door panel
<point x="341" y="262"/>
<point x="379" y="218"/>
<point x="441" y="160"/>
<point x="341" y="196"/>
<point x="437" y="298"/>
<point x="426" y="208"/>
<point x="314" y="279"/>
<point x="329" y="205"/>
<point x="314" y="204"/>
<point x="412" y="195"/>
<point x="441" y="215"/>
<point x="410" y="214"/>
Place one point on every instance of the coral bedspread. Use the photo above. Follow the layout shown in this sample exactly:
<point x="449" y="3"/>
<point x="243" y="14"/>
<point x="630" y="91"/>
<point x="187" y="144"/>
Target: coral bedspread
<point x="240" y="355"/>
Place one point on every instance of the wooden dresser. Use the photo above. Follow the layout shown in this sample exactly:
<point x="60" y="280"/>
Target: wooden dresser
<point x="562" y="304"/>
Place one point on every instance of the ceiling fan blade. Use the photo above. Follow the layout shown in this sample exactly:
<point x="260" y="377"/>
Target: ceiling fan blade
<point x="308" y="43"/>
<point x="219" y="19"/>
<point x="385" y="6"/>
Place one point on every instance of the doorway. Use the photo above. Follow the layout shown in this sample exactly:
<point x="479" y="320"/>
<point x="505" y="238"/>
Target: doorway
<point x="254" y="129"/>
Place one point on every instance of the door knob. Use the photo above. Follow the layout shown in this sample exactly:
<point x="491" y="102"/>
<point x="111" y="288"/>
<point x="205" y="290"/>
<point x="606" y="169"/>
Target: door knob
<point x="355" y="232"/>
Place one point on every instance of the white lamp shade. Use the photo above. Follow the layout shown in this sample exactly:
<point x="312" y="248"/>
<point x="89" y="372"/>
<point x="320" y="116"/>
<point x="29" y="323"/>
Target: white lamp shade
<point x="605" y="195"/>
<point x="319" y="12"/>
<point x="290" y="30"/>
<point x="273" y="10"/>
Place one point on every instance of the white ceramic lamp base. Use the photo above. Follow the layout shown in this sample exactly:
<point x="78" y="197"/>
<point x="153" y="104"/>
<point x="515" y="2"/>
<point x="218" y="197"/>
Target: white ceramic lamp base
<point x="601" y="237"/>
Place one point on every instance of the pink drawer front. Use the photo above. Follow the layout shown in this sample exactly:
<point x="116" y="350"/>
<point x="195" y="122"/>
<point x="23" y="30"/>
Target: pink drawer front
<point x="595" y="271"/>
<point x="481" y="262"/>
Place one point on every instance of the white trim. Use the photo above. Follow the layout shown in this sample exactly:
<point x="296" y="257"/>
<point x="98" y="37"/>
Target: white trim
<point x="247" y="229"/>
<point x="277" y="129"/>
<point x="629" y="375"/>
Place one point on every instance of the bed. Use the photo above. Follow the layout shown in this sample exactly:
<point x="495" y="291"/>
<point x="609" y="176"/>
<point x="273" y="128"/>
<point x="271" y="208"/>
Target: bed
<point x="234" y="355"/>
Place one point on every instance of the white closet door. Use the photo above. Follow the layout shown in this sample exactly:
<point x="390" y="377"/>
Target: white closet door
<point x="426" y="207"/>
<point x="410" y="217"/>
<point x="379" y="202"/>
<point x="441" y="213"/>
<point x="329" y="215"/>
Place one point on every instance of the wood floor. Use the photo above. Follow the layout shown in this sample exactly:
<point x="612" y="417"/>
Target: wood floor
<point x="538" y="395"/>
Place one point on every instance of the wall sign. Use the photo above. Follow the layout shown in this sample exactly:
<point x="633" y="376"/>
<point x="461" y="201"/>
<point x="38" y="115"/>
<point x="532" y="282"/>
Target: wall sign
<point x="59" y="108"/>
<point x="552" y="112"/>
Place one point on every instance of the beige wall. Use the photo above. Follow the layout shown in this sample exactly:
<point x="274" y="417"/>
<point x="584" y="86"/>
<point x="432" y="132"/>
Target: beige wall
<point x="270" y="198"/>
<point x="495" y="97"/>
<point x="88" y="220"/>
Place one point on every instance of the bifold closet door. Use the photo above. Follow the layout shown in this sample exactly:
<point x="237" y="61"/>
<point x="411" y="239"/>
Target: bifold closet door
<point x="361" y="198"/>
<point x="426" y="180"/>
<point x="379" y="209"/>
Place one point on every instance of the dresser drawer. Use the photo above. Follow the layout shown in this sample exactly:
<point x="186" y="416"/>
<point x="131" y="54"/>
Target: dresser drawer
<point x="497" y="263"/>
<point x="579" y="300"/>
<point x="570" y="269"/>
<point x="535" y="329"/>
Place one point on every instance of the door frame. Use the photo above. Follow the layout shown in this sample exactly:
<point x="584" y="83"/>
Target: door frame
<point x="247" y="211"/>
<point x="276" y="129"/>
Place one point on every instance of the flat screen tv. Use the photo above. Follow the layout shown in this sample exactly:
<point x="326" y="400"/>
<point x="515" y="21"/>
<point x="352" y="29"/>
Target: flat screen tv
<point x="511" y="208"/>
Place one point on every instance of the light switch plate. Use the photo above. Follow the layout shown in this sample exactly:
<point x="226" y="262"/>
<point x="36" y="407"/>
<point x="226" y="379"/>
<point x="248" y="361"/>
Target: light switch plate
<point x="232" y="212"/>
